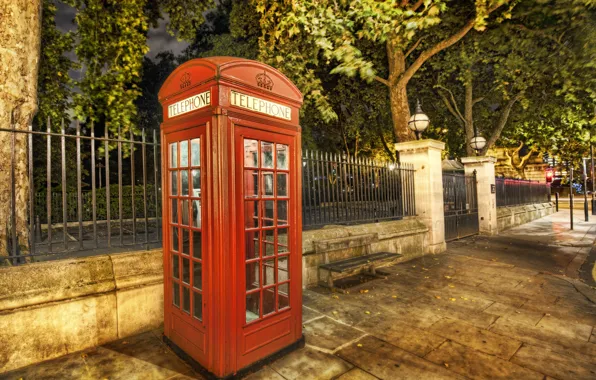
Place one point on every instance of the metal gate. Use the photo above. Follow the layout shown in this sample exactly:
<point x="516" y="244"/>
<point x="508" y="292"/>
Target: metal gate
<point x="461" y="205"/>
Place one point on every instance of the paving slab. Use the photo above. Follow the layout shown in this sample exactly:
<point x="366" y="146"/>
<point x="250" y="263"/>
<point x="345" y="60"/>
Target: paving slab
<point x="356" y="374"/>
<point x="477" y="365"/>
<point x="265" y="373"/>
<point x="387" y="361"/>
<point x="412" y="339"/>
<point x="544" y="338"/>
<point x="558" y="365"/>
<point x="328" y="334"/>
<point x="527" y="317"/>
<point x="307" y="364"/>
<point x="309" y="314"/>
<point x="478" y="339"/>
<point x="565" y="328"/>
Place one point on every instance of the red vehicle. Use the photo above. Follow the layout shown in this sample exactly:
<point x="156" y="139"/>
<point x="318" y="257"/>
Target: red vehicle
<point x="231" y="213"/>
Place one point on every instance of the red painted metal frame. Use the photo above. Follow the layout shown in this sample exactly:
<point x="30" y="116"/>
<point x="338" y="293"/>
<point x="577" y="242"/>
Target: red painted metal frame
<point x="223" y="343"/>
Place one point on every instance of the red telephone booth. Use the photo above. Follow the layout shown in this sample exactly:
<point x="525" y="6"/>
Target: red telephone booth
<point x="231" y="213"/>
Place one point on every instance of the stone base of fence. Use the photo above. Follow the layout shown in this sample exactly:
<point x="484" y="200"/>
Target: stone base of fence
<point x="54" y="308"/>
<point x="513" y="216"/>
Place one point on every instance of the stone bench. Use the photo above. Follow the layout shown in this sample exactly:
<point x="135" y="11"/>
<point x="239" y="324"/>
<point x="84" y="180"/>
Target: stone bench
<point x="365" y="263"/>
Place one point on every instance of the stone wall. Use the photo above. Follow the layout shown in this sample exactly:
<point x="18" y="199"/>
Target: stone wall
<point x="408" y="237"/>
<point x="57" y="307"/>
<point x="512" y="216"/>
<point x="54" y="308"/>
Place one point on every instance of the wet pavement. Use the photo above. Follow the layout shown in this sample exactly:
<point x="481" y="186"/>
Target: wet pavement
<point x="509" y="306"/>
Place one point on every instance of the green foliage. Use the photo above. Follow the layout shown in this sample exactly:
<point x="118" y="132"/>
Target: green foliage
<point x="298" y="37"/>
<point x="100" y="204"/>
<point x="54" y="85"/>
<point x="111" y="46"/>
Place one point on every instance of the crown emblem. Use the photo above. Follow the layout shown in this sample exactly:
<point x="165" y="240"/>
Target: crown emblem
<point x="185" y="80"/>
<point x="264" y="81"/>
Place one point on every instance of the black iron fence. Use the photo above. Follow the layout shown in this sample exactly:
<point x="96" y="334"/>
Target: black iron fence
<point x="68" y="212"/>
<point x="460" y="203"/>
<point x="514" y="192"/>
<point x="341" y="190"/>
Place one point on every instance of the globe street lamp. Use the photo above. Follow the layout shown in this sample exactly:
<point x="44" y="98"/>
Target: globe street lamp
<point x="477" y="143"/>
<point x="419" y="121"/>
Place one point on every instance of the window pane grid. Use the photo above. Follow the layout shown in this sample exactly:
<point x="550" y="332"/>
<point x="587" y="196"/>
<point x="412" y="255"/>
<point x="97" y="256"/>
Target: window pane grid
<point x="266" y="199"/>
<point x="185" y="179"/>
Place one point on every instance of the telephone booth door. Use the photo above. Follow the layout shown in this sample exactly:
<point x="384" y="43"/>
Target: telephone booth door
<point x="186" y="272"/>
<point x="266" y="178"/>
<point x="231" y="214"/>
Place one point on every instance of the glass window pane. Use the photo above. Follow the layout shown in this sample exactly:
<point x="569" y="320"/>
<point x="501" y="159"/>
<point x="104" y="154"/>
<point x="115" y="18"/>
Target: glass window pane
<point x="252" y="276"/>
<point x="197" y="275"/>
<point x="175" y="211"/>
<point x="252" y="306"/>
<point x="174" y="155"/>
<point x="252" y="244"/>
<point x="185" y="270"/>
<point x="283" y="296"/>
<point x="269" y="243"/>
<point x="268" y="301"/>
<point x="175" y="240"/>
<point x="176" y="266"/>
<point x="197" y="245"/>
<point x="251" y="183"/>
<point x="283" y="242"/>
<point x="185" y="241"/>
<point x="183" y="154"/>
<point x="268" y="213"/>
<point x="282" y="184"/>
<point x="282" y="157"/>
<point x="266" y="154"/>
<point x="196" y="213"/>
<point x="268" y="184"/>
<point x="176" y="293"/>
<point x="184" y="211"/>
<point x="198" y="306"/>
<point x="251" y="154"/>
<point x="283" y="273"/>
<point x="268" y="272"/>
<point x="184" y="182"/>
<point x="185" y="299"/>
<point x="196" y="182"/>
<point x="282" y="213"/>
<point x="195" y="152"/>
<point x="251" y="214"/>
<point x="174" y="183"/>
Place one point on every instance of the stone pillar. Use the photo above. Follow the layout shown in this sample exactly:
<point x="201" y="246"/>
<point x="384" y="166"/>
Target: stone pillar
<point x="485" y="187"/>
<point x="425" y="155"/>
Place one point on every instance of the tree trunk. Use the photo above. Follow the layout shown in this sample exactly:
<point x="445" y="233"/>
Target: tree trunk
<point x="469" y="117"/>
<point x="398" y="94"/>
<point x="20" y="39"/>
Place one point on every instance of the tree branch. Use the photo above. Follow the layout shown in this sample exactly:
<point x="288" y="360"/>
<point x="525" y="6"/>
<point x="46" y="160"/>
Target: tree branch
<point x="413" y="47"/>
<point x="501" y="124"/>
<point x="450" y="108"/>
<point x="416" y="5"/>
<point x="381" y="80"/>
<point x="444" y="44"/>
<point x="456" y="108"/>
<point x="524" y="159"/>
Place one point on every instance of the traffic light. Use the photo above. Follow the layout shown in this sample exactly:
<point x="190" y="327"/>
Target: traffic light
<point x="549" y="175"/>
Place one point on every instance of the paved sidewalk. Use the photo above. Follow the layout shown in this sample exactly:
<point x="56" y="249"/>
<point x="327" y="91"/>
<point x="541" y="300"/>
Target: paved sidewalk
<point x="510" y="306"/>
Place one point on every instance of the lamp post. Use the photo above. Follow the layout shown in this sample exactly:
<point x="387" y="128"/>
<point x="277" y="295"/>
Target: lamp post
<point x="477" y="143"/>
<point x="585" y="189"/>
<point x="419" y="121"/>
